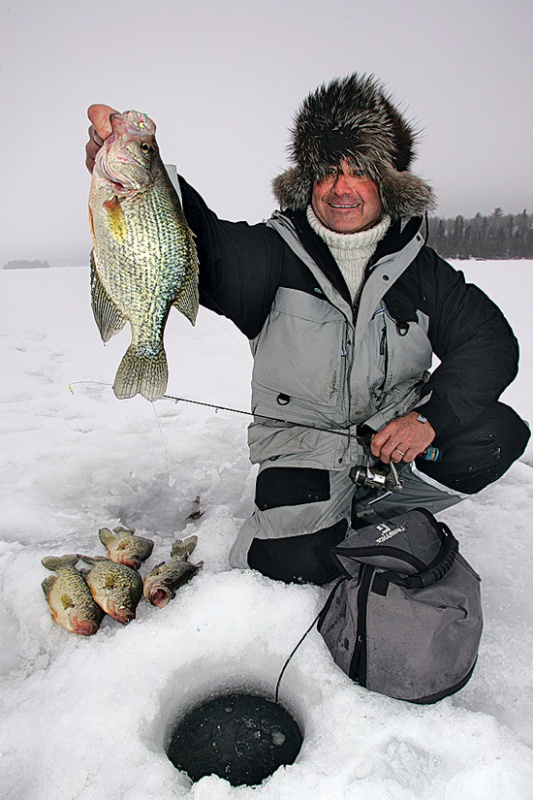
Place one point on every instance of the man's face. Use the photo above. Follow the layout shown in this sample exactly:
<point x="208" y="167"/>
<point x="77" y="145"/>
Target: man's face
<point x="346" y="201"/>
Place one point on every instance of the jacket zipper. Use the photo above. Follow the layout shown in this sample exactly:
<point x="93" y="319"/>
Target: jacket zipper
<point x="358" y="664"/>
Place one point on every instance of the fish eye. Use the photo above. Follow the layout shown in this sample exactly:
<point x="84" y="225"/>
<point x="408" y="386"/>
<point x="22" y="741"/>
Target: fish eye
<point x="146" y="148"/>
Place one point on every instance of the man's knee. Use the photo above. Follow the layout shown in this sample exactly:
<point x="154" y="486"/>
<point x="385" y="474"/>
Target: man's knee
<point x="475" y="456"/>
<point x="291" y="501"/>
<point x="298" y="558"/>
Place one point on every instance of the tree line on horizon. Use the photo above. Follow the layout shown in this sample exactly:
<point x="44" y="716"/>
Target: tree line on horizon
<point x="496" y="236"/>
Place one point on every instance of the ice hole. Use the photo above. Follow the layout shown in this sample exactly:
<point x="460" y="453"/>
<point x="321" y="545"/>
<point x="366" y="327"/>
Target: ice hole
<point x="241" y="737"/>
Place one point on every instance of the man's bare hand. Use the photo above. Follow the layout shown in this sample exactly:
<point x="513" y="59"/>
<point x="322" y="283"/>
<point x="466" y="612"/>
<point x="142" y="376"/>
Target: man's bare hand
<point x="403" y="439"/>
<point x="99" y="130"/>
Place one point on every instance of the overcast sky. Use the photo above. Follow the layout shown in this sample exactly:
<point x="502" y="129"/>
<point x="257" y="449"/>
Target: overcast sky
<point x="222" y="79"/>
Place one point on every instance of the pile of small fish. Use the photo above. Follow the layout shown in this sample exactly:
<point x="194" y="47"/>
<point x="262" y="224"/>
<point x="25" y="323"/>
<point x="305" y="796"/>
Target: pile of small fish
<point x="78" y="599"/>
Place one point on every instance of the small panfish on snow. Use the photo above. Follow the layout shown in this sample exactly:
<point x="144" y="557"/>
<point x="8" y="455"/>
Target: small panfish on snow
<point x="70" y="600"/>
<point x="161" y="583"/>
<point x="115" y="587"/>
<point x="123" y="547"/>
<point x="144" y="258"/>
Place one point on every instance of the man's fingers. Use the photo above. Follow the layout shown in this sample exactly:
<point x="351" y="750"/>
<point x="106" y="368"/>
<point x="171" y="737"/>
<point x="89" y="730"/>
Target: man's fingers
<point x="100" y="116"/>
<point x="402" y="439"/>
<point x="94" y="136"/>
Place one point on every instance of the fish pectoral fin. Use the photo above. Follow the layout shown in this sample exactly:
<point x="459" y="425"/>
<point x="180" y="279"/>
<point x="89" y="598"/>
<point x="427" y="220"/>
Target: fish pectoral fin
<point x="188" y="300"/>
<point x="107" y="316"/>
<point x="66" y="601"/>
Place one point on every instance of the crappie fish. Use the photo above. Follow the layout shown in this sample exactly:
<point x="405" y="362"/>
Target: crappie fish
<point x="115" y="587"/>
<point x="69" y="598"/>
<point x="125" y="548"/>
<point x="161" y="583"/>
<point x="144" y="258"/>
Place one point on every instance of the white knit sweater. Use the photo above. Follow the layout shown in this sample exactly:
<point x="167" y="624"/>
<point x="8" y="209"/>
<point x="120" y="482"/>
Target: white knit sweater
<point x="351" y="251"/>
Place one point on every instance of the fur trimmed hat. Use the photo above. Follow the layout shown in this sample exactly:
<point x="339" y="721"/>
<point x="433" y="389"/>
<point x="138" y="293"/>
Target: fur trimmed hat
<point x="352" y="118"/>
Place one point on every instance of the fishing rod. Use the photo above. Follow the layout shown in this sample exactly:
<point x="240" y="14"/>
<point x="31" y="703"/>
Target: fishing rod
<point x="429" y="454"/>
<point x="218" y="407"/>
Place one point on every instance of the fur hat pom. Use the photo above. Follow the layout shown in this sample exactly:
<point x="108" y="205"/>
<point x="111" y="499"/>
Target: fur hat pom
<point x="352" y="118"/>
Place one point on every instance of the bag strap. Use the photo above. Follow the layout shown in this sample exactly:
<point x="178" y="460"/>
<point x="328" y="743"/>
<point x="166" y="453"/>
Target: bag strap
<point x="436" y="570"/>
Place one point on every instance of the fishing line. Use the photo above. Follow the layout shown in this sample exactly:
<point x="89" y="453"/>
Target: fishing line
<point x="308" y="631"/>
<point x="163" y="438"/>
<point x="98" y="385"/>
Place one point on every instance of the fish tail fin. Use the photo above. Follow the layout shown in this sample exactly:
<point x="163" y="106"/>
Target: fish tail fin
<point x="182" y="548"/>
<point x="106" y="536"/>
<point x="139" y="373"/>
<point x="58" y="562"/>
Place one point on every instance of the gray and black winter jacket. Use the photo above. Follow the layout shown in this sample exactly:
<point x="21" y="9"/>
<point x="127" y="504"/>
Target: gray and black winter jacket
<point x="323" y="364"/>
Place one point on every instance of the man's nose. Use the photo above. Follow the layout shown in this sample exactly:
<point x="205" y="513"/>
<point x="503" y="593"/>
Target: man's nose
<point x="341" y="185"/>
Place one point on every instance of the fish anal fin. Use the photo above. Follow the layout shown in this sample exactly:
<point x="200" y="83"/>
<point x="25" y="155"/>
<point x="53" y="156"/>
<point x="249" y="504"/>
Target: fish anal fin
<point x="188" y="300"/>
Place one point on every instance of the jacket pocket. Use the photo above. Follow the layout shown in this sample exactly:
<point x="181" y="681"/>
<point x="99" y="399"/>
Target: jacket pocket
<point x="300" y="353"/>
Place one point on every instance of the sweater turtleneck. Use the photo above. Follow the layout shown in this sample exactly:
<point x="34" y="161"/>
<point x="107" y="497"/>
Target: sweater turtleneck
<point x="351" y="251"/>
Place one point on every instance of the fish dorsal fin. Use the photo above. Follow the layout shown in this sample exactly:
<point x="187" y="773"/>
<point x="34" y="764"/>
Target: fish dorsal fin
<point x="107" y="316"/>
<point x="92" y="560"/>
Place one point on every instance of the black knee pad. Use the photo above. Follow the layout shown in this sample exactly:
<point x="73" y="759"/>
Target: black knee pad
<point x="296" y="559"/>
<point x="479" y="454"/>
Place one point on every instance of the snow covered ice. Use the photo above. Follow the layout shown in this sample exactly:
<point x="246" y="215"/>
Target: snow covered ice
<point x="86" y="718"/>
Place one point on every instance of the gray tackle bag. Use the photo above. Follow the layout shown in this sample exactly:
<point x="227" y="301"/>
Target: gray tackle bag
<point x="405" y="619"/>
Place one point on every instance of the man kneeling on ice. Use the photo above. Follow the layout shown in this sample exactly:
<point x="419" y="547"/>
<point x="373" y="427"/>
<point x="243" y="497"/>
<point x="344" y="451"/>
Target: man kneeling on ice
<point x="344" y="306"/>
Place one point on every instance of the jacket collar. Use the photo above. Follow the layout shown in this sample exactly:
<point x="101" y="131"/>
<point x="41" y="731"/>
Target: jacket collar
<point x="399" y="234"/>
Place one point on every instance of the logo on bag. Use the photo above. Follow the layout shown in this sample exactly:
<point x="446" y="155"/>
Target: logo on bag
<point x="387" y="533"/>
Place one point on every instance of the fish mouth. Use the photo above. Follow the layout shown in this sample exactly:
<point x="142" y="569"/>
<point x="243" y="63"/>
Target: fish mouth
<point x="131" y="561"/>
<point x="120" y="185"/>
<point x="123" y="615"/>
<point x="160" y="597"/>
<point x="85" y="627"/>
